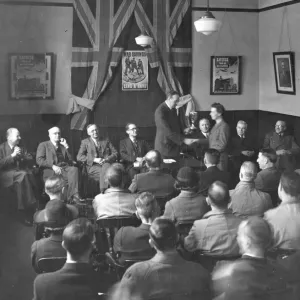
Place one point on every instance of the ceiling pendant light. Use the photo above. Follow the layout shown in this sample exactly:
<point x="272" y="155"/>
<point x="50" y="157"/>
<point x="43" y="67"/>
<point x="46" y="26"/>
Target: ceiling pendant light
<point x="207" y="24"/>
<point x="143" y="39"/>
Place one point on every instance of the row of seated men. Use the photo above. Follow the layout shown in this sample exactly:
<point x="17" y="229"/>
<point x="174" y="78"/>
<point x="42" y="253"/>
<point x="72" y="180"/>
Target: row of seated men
<point x="224" y="226"/>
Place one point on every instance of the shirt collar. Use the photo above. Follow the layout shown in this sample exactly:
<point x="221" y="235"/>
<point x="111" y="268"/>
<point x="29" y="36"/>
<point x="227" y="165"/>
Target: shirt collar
<point x="116" y="189"/>
<point x="10" y="146"/>
<point x="133" y="140"/>
<point x="217" y="213"/>
<point x="168" y="105"/>
<point x="205" y="133"/>
<point x="95" y="141"/>
<point x="55" y="145"/>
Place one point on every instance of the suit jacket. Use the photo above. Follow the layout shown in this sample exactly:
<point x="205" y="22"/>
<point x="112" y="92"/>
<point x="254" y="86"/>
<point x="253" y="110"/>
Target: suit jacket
<point x="219" y="137"/>
<point x="253" y="278"/>
<point x="46" y="247"/>
<point x="88" y="151"/>
<point x="46" y="155"/>
<point x="246" y="200"/>
<point x="237" y="145"/>
<point x="215" y="234"/>
<point x="166" y="276"/>
<point x="7" y="162"/>
<point x="75" y="281"/>
<point x="133" y="243"/>
<point x="267" y="180"/>
<point x="200" y="148"/>
<point x="168" y="132"/>
<point x="114" y="202"/>
<point x="186" y="206"/>
<point x="128" y="153"/>
<point x="154" y="181"/>
<point x="210" y="175"/>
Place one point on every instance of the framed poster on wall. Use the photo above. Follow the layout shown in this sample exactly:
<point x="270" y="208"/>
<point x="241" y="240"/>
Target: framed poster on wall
<point x="225" y="75"/>
<point x="284" y="68"/>
<point x="31" y="76"/>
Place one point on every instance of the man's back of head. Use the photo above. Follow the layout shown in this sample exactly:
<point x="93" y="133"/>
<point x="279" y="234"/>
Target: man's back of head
<point x="54" y="186"/>
<point x="289" y="186"/>
<point x="115" y="176"/>
<point x="153" y="159"/>
<point x="248" y="171"/>
<point x="163" y="235"/>
<point x="211" y="157"/>
<point x="78" y="238"/>
<point x="218" y="195"/>
<point x="147" y="207"/>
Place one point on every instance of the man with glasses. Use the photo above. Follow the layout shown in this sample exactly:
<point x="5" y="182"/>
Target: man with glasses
<point x="285" y="146"/>
<point x="133" y="150"/>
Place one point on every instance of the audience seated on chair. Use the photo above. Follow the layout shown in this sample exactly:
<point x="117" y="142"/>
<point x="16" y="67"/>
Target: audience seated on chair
<point x="56" y="217"/>
<point x="15" y="162"/>
<point x="76" y="280"/>
<point x="155" y="180"/>
<point x="215" y="234"/>
<point x="133" y="150"/>
<point x="98" y="154"/>
<point x="268" y="178"/>
<point x="189" y="205"/>
<point x="212" y="172"/>
<point x="284" y="219"/>
<point x="54" y="188"/>
<point x="133" y="242"/>
<point x="166" y="275"/>
<point x="246" y="200"/>
<point x="116" y="201"/>
<point x="252" y="277"/>
<point x="285" y="146"/>
<point x="54" y="158"/>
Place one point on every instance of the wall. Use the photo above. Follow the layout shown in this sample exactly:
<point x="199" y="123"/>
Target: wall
<point x="245" y="31"/>
<point x="246" y="4"/>
<point x="36" y="29"/>
<point x="269" y="34"/>
<point x="267" y="3"/>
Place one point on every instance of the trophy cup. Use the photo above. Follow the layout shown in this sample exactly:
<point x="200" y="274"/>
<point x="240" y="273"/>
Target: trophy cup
<point x="193" y="119"/>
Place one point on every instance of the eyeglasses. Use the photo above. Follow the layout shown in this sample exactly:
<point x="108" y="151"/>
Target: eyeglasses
<point x="133" y="129"/>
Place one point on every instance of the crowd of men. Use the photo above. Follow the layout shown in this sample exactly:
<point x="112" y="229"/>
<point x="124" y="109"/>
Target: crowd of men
<point x="238" y="216"/>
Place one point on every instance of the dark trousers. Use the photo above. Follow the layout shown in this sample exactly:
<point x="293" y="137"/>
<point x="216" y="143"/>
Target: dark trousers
<point x="70" y="175"/>
<point x="97" y="173"/>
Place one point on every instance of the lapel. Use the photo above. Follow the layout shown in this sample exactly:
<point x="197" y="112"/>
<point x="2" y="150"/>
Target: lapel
<point x="129" y="145"/>
<point x="51" y="148"/>
<point x="7" y="149"/>
<point x="92" y="145"/>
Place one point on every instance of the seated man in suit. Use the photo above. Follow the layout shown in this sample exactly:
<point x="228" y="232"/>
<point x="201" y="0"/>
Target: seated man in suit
<point x="212" y="172"/>
<point x="215" y="234"/>
<point x="53" y="157"/>
<point x="14" y="172"/>
<point x="268" y="178"/>
<point x="246" y="200"/>
<point x="154" y="181"/>
<point x="116" y="201"/>
<point x="56" y="217"/>
<point x="284" y="219"/>
<point x="98" y="154"/>
<point x="284" y="145"/>
<point x="76" y="280"/>
<point x="166" y="275"/>
<point x="252" y="277"/>
<point x="133" y="150"/>
<point x="189" y="205"/>
<point x="133" y="242"/>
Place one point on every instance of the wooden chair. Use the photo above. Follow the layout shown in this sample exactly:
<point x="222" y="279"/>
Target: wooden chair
<point x="51" y="264"/>
<point x="162" y="200"/>
<point x="183" y="229"/>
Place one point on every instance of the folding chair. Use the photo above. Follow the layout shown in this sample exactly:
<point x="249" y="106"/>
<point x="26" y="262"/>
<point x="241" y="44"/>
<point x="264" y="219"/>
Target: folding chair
<point x="51" y="264"/>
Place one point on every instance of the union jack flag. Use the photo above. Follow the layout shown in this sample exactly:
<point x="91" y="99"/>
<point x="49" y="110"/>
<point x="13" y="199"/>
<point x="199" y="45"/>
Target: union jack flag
<point x="102" y="22"/>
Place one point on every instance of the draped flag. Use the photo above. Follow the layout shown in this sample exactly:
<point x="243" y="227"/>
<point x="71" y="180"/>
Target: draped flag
<point x="98" y="25"/>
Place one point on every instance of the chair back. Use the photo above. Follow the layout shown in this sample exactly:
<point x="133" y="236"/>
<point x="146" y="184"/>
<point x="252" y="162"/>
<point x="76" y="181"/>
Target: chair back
<point x="51" y="264"/>
<point x="183" y="229"/>
<point x="162" y="200"/>
<point x="107" y="229"/>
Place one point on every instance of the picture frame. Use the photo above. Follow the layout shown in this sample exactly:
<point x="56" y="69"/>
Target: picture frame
<point x="284" y="71"/>
<point x="225" y="75"/>
<point x="31" y="76"/>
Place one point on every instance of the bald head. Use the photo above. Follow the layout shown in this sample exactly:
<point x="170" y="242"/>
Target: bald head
<point x="153" y="159"/>
<point x="248" y="171"/>
<point x="13" y="136"/>
<point x="218" y="195"/>
<point x="54" y="134"/>
<point x="115" y="176"/>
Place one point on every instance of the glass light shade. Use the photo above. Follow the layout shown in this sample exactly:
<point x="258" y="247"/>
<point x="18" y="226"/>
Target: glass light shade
<point x="144" y="40"/>
<point x="207" y="24"/>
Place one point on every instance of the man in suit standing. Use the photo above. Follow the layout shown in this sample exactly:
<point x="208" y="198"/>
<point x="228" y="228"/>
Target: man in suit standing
<point x="98" y="154"/>
<point x="53" y="157"/>
<point x="167" y="274"/>
<point x="284" y="145"/>
<point x="76" y="280"/>
<point x="169" y="136"/>
<point x="219" y="134"/>
<point x="133" y="242"/>
<point x="133" y="150"/>
<point x="14" y="171"/>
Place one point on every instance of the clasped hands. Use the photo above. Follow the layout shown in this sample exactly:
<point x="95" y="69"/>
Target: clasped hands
<point x="247" y="153"/>
<point x="100" y="161"/>
<point x="17" y="151"/>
